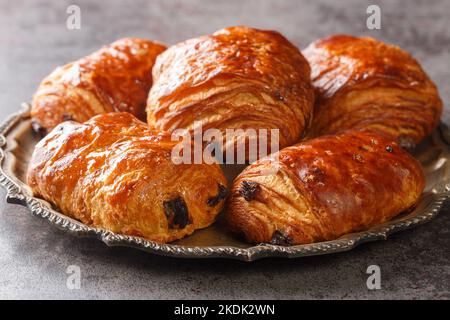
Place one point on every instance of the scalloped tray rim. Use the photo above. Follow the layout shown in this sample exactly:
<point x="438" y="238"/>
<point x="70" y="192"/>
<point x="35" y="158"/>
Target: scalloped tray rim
<point x="38" y="207"/>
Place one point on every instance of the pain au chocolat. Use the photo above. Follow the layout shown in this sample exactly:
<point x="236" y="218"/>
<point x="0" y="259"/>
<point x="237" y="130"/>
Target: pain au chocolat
<point x="365" y="83"/>
<point x="236" y="78"/>
<point x="113" y="172"/>
<point x="323" y="188"/>
<point x="115" y="78"/>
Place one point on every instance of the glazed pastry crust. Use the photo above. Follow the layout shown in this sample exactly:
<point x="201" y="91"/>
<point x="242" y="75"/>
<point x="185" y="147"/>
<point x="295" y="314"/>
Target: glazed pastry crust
<point x="236" y="78"/>
<point x="323" y="188"/>
<point x="365" y="83"/>
<point x="115" y="78"/>
<point x="113" y="172"/>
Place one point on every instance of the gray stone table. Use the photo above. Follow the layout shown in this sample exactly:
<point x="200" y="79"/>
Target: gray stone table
<point x="34" y="256"/>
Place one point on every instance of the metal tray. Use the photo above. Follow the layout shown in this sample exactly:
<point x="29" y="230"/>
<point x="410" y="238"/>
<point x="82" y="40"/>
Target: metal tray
<point x="17" y="142"/>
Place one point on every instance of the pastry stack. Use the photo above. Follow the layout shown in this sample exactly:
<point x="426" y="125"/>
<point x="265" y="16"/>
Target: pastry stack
<point x="348" y="110"/>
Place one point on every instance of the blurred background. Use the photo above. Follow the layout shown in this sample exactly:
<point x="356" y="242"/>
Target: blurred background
<point x="34" y="39"/>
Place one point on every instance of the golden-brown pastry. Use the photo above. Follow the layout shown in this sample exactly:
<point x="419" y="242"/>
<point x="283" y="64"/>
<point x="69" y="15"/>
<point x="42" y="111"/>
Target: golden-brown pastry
<point x="115" y="78"/>
<point x="365" y="83"/>
<point x="236" y="78"/>
<point x="113" y="172"/>
<point x="323" y="188"/>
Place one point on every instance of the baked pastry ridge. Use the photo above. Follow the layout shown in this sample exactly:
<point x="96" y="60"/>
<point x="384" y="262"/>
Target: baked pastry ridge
<point x="236" y="78"/>
<point x="113" y="79"/>
<point x="113" y="172"/>
<point x="323" y="188"/>
<point x="365" y="83"/>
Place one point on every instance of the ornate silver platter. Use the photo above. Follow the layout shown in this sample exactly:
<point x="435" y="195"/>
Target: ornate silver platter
<point x="17" y="142"/>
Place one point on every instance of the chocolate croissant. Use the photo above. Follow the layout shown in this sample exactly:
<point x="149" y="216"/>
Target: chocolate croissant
<point x="236" y="78"/>
<point x="115" y="173"/>
<point x="115" y="78"/>
<point x="365" y="83"/>
<point x="323" y="188"/>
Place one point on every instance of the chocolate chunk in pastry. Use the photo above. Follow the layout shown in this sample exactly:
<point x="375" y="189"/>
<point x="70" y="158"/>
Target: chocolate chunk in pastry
<point x="114" y="172"/>
<point x="323" y="188"/>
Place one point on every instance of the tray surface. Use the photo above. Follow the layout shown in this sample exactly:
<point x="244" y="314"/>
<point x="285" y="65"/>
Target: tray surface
<point x="16" y="146"/>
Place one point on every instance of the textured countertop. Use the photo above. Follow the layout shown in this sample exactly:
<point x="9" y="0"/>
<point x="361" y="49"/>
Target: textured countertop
<point x="34" y="256"/>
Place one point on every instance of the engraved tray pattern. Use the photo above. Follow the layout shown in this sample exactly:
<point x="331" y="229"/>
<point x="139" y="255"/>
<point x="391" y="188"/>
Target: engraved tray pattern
<point x="16" y="145"/>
